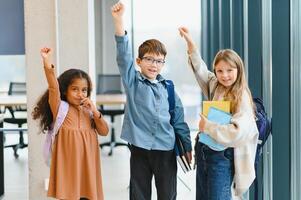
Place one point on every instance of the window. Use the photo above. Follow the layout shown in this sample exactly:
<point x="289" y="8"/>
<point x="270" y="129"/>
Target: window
<point x="161" y="20"/>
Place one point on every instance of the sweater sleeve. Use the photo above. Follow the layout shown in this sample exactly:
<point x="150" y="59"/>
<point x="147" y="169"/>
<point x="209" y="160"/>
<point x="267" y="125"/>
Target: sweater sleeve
<point x="201" y="72"/>
<point x="240" y="129"/>
<point x="54" y="91"/>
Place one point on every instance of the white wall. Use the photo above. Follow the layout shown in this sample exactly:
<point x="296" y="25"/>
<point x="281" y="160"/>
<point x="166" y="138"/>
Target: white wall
<point x="67" y="27"/>
<point x="109" y="65"/>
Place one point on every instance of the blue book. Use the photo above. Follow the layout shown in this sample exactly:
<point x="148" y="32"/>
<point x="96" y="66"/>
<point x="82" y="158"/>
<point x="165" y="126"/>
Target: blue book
<point x="220" y="117"/>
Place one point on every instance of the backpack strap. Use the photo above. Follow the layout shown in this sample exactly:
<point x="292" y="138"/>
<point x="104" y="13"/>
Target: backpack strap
<point x="56" y="125"/>
<point x="171" y="98"/>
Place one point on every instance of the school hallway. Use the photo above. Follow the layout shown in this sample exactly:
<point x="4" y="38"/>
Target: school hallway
<point x="265" y="34"/>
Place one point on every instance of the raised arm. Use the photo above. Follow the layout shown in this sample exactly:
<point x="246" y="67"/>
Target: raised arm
<point x="125" y="59"/>
<point x="184" y="32"/>
<point x="46" y="54"/>
<point x="53" y="86"/>
<point x="117" y="11"/>
<point x="205" y="78"/>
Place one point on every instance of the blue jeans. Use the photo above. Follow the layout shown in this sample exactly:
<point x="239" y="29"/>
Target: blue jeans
<point x="215" y="171"/>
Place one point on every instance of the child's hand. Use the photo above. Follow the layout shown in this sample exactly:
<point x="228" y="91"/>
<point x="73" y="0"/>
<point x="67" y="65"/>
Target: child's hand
<point x="88" y="104"/>
<point x="184" y="32"/>
<point x="188" y="155"/>
<point x="117" y="10"/>
<point x="46" y="54"/>
<point x="202" y="123"/>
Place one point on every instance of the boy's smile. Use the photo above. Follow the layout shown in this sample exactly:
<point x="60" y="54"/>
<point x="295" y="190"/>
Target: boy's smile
<point x="151" y="65"/>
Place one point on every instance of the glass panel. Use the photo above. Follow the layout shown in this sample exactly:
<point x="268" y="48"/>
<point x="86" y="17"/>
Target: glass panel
<point x="267" y="95"/>
<point x="295" y="98"/>
<point x="12" y="69"/>
<point x="161" y="19"/>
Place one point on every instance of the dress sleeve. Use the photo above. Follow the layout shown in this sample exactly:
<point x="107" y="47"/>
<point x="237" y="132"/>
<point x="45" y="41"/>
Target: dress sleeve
<point x="54" y="91"/>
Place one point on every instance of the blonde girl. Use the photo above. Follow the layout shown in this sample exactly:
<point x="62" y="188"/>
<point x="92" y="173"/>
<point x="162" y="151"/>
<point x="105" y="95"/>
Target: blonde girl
<point x="227" y="174"/>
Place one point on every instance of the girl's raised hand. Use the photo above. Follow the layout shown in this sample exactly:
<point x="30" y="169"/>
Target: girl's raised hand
<point x="184" y="32"/>
<point x="117" y="10"/>
<point x="46" y="54"/>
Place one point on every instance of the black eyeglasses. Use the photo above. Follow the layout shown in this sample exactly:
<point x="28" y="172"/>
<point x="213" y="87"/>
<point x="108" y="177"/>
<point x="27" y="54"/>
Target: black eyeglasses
<point x="150" y="60"/>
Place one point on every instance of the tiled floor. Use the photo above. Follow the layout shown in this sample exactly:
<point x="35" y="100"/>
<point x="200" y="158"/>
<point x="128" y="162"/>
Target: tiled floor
<point x="115" y="174"/>
<point x="15" y="172"/>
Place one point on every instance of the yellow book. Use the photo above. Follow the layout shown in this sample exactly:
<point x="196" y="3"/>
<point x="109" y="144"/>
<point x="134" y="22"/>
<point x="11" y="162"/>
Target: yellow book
<point x="221" y="105"/>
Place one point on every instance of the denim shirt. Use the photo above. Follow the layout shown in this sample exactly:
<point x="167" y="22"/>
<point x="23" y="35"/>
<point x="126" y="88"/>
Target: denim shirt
<point x="147" y="119"/>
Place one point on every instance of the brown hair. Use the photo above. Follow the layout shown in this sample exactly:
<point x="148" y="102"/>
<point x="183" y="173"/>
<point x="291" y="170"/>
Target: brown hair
<point x="151" y="46"/>
<point x="42" y="109"/>
<point x="234" y="94"/>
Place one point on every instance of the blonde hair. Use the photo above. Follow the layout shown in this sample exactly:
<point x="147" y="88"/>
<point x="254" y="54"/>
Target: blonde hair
<point x="235" y="92"/>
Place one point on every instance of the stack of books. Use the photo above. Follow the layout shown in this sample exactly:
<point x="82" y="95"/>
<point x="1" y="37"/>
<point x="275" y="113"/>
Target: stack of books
<point x="220" y="105"/>
<point x="181" y="156"/>
<point x="218" y="112"/>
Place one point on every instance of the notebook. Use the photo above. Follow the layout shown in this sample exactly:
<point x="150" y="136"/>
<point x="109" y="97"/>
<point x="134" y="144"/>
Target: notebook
<point x="221" y="105"/>
<point x="220" y="117"/>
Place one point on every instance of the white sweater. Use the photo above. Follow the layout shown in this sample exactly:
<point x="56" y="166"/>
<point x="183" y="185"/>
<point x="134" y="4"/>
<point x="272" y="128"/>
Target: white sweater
<point x="241" y="133"/>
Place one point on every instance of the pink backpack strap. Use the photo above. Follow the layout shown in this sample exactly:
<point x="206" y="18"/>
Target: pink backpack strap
<point x="50" y="135"/>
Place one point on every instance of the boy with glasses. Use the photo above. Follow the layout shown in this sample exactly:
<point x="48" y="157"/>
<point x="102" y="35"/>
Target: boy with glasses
<point x="146" y="125"/>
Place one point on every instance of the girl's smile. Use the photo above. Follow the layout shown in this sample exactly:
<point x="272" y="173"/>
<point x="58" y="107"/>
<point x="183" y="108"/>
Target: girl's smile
<point x="225" y="73"/>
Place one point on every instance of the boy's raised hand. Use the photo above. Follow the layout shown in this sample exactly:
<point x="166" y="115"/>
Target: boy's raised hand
<point x="46" y="54"/>
<point x="184" y="32"/>
<point x="117" y="11"/>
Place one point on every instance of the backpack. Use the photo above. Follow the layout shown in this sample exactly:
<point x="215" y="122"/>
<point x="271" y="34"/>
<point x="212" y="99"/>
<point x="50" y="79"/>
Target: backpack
<point x="51" y="133"/>
<point x="264" y="126"/>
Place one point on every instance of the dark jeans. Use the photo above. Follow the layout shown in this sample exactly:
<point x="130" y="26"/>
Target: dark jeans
<point x="215" y="171"/>
<point x="144" y="165"/>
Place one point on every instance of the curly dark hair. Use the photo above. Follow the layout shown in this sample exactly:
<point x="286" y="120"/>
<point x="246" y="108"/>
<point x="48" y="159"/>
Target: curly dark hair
<point x="42" y="109"/>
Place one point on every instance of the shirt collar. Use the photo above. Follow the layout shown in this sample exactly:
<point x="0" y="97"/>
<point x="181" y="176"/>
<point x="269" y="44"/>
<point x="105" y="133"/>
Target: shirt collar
<point x="159" y="78"/>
